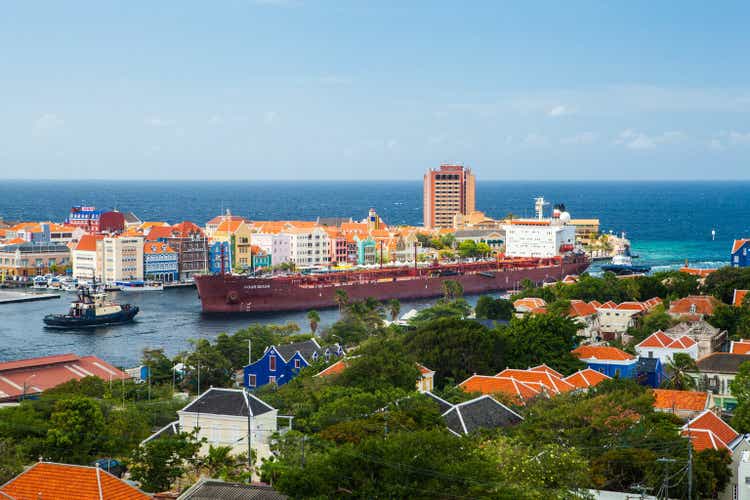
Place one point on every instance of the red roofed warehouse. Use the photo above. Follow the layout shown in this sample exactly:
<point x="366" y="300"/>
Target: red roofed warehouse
<point x="32" y="376"/>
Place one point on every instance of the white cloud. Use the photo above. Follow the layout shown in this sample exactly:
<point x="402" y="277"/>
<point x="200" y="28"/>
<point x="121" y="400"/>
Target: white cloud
<point x="632" y="139"/>
<point x="46" y="123"/>
<point x="580" y="139"/>
<point x="159" y="122"/>
<point x="559" y="110"/>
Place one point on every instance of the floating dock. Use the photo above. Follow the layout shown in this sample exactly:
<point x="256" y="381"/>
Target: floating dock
<point x="12" y="297"/>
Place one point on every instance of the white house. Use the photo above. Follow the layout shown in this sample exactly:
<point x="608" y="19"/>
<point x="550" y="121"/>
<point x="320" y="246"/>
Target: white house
<point x="662" y="346"/>
<point x="309" y="247"/>
<point x="227" y="417"/>
<point x="281" y="249"/>
<point x="538" y="238"/>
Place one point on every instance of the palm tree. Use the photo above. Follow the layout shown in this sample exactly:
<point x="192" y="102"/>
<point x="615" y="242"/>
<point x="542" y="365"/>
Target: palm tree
<point x="678" y="370"/>
<point x="394" y="307"/>
<point x="452" y="289"/>
<point x="314" y="318"/>
<point x="341" y="298"/>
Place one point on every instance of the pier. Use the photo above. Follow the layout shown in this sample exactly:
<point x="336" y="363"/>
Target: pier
<point x="12" y="297"/>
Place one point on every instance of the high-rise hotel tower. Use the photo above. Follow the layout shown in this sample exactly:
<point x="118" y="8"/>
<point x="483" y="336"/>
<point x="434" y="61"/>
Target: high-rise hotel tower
<point x="448" y="190"/>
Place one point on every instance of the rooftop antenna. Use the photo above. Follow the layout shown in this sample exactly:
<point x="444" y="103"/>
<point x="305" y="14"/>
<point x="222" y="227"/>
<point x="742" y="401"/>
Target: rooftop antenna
<point x="539" y="205"/>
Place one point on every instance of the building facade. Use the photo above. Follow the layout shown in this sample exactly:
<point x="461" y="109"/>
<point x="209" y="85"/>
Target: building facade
<point x="281" y="363"/>
<point x="86" y="257"/>
<point x="538" y="238"/>
<point x="448" y="190"/>
<point x="159" y="262"/>
<point x="24" y="260"/>
<point x="309" y="247"/>
<point x="122" y="258"/>
<point x="191" y="245"/>
<point x="740" y="256"/>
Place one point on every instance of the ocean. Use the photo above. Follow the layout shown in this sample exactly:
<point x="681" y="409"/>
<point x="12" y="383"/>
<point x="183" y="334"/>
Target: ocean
<point x="667" y="222"/>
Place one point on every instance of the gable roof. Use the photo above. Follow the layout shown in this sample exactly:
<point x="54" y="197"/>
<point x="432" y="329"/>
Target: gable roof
<point x="579" y="308"/>
<point x="544" y="368"/>
<point x="667" y="399"/>
<point x="529" y="303"/>
<point x="741" y="346"/>
<point x="552" y="382"/>
<point x="87" y="243"/>
<point x="586" y="378"/>
<point x="185" y="229"/>
<point x="443" y="405"/>
<point x="229" y="402"/>
<point x="334" y="369"/>
<point x="738" y="297"/>
<point x="738" y="244"/>
<point x="601" y="353"/>
<point x="519" y="391"/>
<point x="159" y="232"/>
<point x="694" y="304"/>
<point x="48" y="481"/>
<point x="483" y="412"/>
<point x="722" y="362"/>
<point x="306" y="348"/>
<point x="213" y="489"/>
<point x="659" y="339"/>
<point x="709" y="431"/>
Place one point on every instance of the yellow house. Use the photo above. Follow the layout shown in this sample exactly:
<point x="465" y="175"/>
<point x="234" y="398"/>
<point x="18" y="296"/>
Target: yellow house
<point x="238" y="234"/>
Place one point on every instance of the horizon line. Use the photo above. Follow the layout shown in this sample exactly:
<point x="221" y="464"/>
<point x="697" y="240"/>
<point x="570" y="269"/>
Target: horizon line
<point x="338" y="180"/>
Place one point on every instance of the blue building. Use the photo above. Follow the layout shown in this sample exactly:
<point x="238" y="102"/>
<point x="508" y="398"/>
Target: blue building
<point x="740" y="253"/>
<point x="366" y="251"/>
<point x="614" y="362"/>
<point x="159" y="262"/>
<point x="215" y="253"/>
<point x="281" y="363"/>
<point x="650" y="372"/>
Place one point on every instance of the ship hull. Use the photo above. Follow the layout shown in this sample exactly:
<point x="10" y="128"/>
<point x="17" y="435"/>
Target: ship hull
<point x="69" y="322"/>
<point x="239" y="294"/>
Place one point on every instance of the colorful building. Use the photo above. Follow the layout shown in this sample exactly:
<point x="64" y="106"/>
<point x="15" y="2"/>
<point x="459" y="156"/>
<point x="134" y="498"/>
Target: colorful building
<point x="122" y="258"/>
<point x="448" y="190"/>
<point x="33" y="259"/>
<point x="160" y="262"/>
<point x="86" y="257"/>
<point x="281" y="363"/>
<point x="740" y="256"/>
<point x="260" y="258"/>
<point x="220" y="257"/>
<point x="96" y="221"/>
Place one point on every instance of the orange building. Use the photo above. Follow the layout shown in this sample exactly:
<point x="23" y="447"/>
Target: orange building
<point x="448" y="190"/>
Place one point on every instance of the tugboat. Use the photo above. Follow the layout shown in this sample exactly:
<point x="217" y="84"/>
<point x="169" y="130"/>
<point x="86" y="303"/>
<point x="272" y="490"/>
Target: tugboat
<point x="92" y="310"/>
<point x="622" y="264"/>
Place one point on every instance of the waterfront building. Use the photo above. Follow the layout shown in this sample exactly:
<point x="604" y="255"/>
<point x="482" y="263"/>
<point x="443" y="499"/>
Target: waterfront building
<point x="587" y="230"/>
<point x="309" y="247"/>
<point x="492" y="237"/>
<point x="191" y="245"/>
<point x="366" y="251"/>
<point x="238" y="234"/>
<point x="86" y="257"/>
<point x="537" y="238"/>
<point x="30" y="377"/>
<point x="44" y="232"/>
<point x="213" y="225"/>
<point x="122" y="258"/>
<point x="281" y="363"/>
<point x="447" y="191"/>
<point x="220" y="257"/>
<point x="159" y="262"/>
<point x="96" y="221"/>
<point x="474" y="220"/>
<point x="131" y="220"/>
<point x="260" y="258"/>
<point x="33" y="259"/>
<point x="740" y="256"/>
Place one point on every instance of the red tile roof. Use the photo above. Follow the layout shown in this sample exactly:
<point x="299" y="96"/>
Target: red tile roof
<point x="579" y="308"/>
<point x="739" y="297"/>
<point x="39" y="374"/>
<point x="334" y="369"/>
<point x="702" y="273"/>
<point x="185" y="229"/>
<point x="694" y="304"/>
<point x="602" y="353"/>
<point x="741" y="346"/>
<point x="553" y="383"/>
<point x="87" y="243"/>
<point x="738" y="244"/>
<point x="659" y="339"/>
<point x="667" y="399"/>
<point x="515" y="389"/>
<point x="709" y="431"/>
<point x="583" y="379"/>
<point x="544" y="368"/>
<point x="529" y="303"/>
<point x="155" y="247"/>
<point x="159" y="232"/>
<point x="50" y="481"/>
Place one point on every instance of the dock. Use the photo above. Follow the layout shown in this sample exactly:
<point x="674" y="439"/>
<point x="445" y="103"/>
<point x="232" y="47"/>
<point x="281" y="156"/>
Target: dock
<point x="12" y="297"/>
<point x="179" y="284"/>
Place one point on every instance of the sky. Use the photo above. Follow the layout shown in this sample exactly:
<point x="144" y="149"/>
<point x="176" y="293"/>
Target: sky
<point x="304" y="89"/>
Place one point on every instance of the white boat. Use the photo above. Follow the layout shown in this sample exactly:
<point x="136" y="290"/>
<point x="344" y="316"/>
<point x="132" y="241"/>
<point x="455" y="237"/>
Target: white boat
<point x="140" y="286"/>
<point x="40" y="281"/>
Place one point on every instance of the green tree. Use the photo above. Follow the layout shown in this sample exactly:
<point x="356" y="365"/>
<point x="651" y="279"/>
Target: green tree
<point x="724" y="281"/>
<point x="394" y="308"/>
<point x="159" y="366"/>
<point x="314" y="318"/>
<point x="381" y="363"/>
<point x="159" y="462"/>
<point x="678" y="370"/>
<point x="207" y="367"/>
<point x="341" y="298"/>
<point x="542" y="338"/>
<point x="560" y="307"/>
<point x="740" y="386"/>
<point x="457" y="309"/>
<point x="452" y="290"/>
<point x="11" y="460"/>
<point x="76" y="429"/>
<point x="489" y="307"/>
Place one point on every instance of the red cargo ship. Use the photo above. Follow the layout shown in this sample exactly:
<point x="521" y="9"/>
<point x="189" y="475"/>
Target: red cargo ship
<point x="229" y="293"/>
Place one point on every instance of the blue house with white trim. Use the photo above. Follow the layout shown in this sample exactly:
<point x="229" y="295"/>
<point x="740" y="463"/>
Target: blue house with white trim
<point x="740" y="253"/>
<point x="281" y="363"/>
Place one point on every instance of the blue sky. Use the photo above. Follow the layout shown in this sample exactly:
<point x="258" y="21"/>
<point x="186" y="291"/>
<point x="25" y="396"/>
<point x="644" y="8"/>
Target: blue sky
<point x="303" y="89"/>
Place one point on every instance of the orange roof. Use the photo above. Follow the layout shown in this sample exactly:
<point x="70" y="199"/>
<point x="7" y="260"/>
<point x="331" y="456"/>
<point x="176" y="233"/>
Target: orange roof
<point x="739" y="297"/>
<point x="159" y="232"/>
<point x="570" y="278"/>
<point x="659" y="339"/>
<point x="631" y="306"/>
<point x="424" y="370"/>
<point x="609" y="305"/>
<point x="152" y="247"/>
<point x="709" y="431"/>
<point x="529" y="303"/>
<point x="150" y="224"/>
<point x="741" y="346"/>
<point x="583" y="379"/>
<point x="600" y="352"/>
<point x="694" y="304"/>
<point x="696" y="272"/>
<point x="185" y="229"/>
<point x="354" y="226"/>
<point x="516" y="389"/>
<point x="15" y="241"/>
<point x="49" y="481"/>
<point x="552" y="382"/>
<point x="544" y="368"/>
<point x="666" y="399"/>
<point x="87" y="243"/>
<point x="738" y="244"/>
<point x="579" y="308"/>
<point x="229" y="226"/>
<point x="220" y="218"/>
<point x="335" y="369"/>
<point x="596" y="303"/>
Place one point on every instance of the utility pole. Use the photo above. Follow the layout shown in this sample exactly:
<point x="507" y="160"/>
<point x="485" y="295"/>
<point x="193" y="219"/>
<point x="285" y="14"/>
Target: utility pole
<point x="249" y="351"/>
<point x="302" y="458"/>
<point x="690" y="465"/>
<point x="249" y="431"/>
<point x="665" y="484"/>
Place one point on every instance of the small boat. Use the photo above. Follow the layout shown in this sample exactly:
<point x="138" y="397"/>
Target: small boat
<point x="622" y="265"/>
<point x="40" y="282"/>
<point x="140" y="286"/>
<point x="92" y="310"/>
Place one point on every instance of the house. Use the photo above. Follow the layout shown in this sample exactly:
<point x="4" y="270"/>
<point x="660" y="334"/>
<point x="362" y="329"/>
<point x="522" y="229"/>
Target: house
<point x="483" y="412"/>
<point x="237" y="234"/>
<point x="48" y="481"/>
<point x="220" y="257"/>
<point x="122" y="258"/>
<point x="740" y="256"/>
<point x="259" y="258"/>
<point x="709" y="338"/>
<point x="552" y="381"/>
<point x="708" y="431"/>
<point x="28" y="259"/>
<point x="684" y="404"/>
<point x="694" y="307"/>
<point x="225" y="417"/>
<point x="19" y="379"/>
<point x="214" y="489"/>
<point x="715" y="372"/>
<point x="608" y="360"/>
<point x="529" y="305"/>
<point x="514" y="390"/>
<point x="585" y="379"/>
<point x="160" y="261"/>
<point x="741" y="346"/>
<point x="615" y="319"/>
<point x="424" y="383"/>
<point x="650" y="372"/>
<point x="587" y="318"/>
<point x="738" y="299"/>
<point x="662" y="346"/>
<point x="85" y="257"/>
<point x="281" y="363"/>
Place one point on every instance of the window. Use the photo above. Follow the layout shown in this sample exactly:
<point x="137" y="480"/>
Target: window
<point x="296" y="363"/>
<point x="271" y="379"/>
<point x="251" y="380"/>
<point x="272" y="363"/>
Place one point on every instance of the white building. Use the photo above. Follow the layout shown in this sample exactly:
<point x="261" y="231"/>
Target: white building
<point x="122" y="258"/>
<point x="85" y="257"/>
<point x="538" y="238"/>
<point x="281" y="249"/>
<point x="264" y="241"/>
<point x="309" y="247"/>
<point x="662" y="346"/>
<point x="227" y="417"/>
